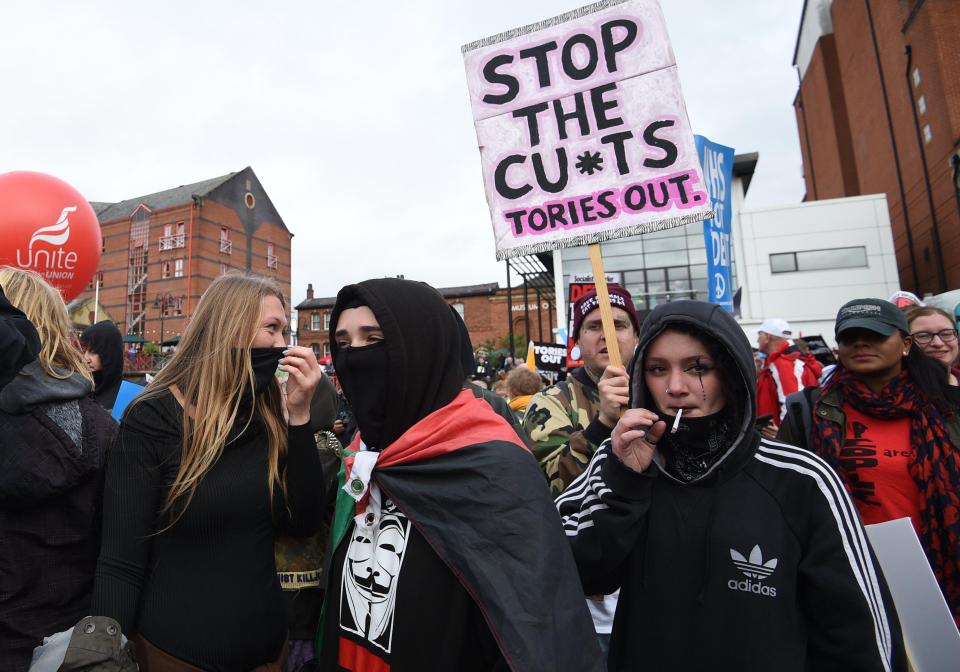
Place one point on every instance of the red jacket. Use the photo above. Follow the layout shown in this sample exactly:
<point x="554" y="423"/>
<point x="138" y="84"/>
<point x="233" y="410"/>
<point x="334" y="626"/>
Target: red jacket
<point x="784" y="373"/>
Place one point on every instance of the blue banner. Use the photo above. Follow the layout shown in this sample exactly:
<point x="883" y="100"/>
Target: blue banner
<point x="717" y="163"/>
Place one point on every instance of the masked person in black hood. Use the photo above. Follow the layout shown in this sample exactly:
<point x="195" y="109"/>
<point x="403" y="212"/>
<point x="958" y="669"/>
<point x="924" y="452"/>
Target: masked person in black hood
<point x="447" y="553"/>
<point x="211" y="463"/>
<point x="103" y="352"/>
<point x="731" y="552"/>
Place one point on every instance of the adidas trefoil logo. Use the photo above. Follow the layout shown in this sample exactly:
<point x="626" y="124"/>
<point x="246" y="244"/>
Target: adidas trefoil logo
<point x="753" y="567"/>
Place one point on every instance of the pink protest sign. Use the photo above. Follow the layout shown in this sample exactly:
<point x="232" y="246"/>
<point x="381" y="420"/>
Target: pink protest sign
<point x="583" y="131"/>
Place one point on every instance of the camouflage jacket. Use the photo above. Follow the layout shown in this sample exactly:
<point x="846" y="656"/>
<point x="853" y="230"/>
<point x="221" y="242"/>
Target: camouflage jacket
<point x="557" y="419"/>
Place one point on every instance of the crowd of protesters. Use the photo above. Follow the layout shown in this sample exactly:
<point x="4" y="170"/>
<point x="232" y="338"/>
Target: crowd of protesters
<point x="699" y="505"/>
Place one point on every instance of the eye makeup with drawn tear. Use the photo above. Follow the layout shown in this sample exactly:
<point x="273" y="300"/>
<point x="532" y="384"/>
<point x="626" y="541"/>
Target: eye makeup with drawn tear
<point x="699" y="368"/>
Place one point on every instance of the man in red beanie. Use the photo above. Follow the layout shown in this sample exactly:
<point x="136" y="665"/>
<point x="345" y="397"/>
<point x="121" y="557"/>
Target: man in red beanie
<point x="569" y="420"/>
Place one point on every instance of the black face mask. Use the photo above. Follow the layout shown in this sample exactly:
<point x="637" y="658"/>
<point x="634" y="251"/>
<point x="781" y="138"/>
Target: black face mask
<point x="265" y="362"/>
<point x="363" y="376"/>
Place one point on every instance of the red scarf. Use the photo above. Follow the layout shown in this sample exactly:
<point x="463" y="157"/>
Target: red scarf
<point x="935" y="467"/>
<point x="465" y="421"/>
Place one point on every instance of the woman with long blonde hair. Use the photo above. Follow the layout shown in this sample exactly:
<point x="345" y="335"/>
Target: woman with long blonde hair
<point x="211" y="461"/>
<point x="53" y="447"/>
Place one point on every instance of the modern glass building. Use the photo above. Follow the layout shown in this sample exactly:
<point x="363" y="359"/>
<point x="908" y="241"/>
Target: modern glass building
<point x="655" y="268"/>
<point x="662" y="266"/>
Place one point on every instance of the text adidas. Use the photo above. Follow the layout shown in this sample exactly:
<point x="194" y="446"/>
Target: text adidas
<point x="748" y="586"/>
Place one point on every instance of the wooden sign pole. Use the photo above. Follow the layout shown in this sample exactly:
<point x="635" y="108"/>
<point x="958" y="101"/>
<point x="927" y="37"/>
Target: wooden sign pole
<point x="606" y="313"/>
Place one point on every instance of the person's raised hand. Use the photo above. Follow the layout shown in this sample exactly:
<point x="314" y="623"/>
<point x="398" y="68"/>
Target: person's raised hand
<point x="770" y="430"/>
<point x="635" y="438"/>
<point x="614" y="389"/>
<point x="305" y="374"/>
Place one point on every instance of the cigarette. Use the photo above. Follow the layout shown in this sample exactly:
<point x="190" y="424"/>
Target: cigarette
<point x="676" y="421"/>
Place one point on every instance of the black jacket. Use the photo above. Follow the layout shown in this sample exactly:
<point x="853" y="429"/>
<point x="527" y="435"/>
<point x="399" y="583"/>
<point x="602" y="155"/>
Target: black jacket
<point x="474" y="573"/>
<point x="760" y="564"/>
<point x="52" y="452"/>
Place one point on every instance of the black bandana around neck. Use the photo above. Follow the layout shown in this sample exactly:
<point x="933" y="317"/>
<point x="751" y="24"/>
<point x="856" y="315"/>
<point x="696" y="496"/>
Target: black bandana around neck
<point x="698" y="443"/>
<point x="363" y="377"/>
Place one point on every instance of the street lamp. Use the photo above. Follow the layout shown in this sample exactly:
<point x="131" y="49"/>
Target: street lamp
<point x="164" y="301"/>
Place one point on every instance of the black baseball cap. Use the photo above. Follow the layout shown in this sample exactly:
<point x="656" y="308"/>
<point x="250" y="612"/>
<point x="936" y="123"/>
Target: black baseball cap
<point x="876" y="315"/>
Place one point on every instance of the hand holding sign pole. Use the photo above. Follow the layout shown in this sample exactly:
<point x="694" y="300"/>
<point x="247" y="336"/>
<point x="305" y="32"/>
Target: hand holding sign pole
<point x="583" y="132"/>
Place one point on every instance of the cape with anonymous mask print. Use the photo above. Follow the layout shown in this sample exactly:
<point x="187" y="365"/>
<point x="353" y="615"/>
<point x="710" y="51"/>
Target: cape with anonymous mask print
<point x="504" y="544"/>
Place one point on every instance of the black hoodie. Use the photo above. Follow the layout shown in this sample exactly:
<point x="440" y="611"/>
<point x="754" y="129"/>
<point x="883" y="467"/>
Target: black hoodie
<point x="468" y="566"/>
<point x="105" y="339"/>
<point x="761" y="563"/>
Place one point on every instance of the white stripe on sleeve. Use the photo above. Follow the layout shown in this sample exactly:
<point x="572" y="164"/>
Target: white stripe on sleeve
<point x="848" y="525"/>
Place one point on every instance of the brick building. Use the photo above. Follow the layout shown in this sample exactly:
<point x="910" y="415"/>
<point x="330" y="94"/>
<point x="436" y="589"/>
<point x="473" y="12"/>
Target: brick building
<point x="161" y="251"/>
<point x="878" y="111"/>
<point x="484" y="308"/>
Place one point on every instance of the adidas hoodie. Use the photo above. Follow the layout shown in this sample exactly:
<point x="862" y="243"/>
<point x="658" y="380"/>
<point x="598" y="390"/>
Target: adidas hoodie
<point x="760" y="564"/>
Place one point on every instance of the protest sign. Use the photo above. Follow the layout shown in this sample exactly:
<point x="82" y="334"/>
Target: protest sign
<point x="819" y="349"/>
<point x="579" y="285"/>
<point x="549" y="356"/>
<point x="933" y="643"/>
<point x="717" y="163"/>
<point x="128" y="392"/>
<point x="583" y="131"/>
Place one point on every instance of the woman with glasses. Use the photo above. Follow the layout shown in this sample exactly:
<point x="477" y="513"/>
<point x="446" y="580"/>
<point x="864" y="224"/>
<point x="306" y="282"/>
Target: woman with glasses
<point x="885" y="422"/>
<point x="935" y="332"/>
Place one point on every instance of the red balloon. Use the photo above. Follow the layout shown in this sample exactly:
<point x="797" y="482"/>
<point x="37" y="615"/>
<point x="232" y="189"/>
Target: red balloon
<point x="48" y="227"/>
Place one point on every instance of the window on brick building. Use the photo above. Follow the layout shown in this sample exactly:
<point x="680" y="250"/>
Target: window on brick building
<point x="315" y="322"/>
<point x="165" y="269"/>
<point x="178" y="268"/>
<point x="326" y="321"/>
<point x="226" y="247"/>
<point x="326" y="348"/>
<point x="181" y="228"/>
<point x="271" y="256"/>
<point x="459" y="308"/>
<point x="316" y="349"/>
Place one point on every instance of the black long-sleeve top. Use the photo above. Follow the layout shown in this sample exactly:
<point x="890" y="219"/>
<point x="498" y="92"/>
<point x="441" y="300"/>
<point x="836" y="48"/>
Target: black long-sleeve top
<point x="206" y="589"/>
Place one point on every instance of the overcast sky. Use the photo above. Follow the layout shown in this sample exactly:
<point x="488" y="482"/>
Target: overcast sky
<point x="354" y="116"/>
